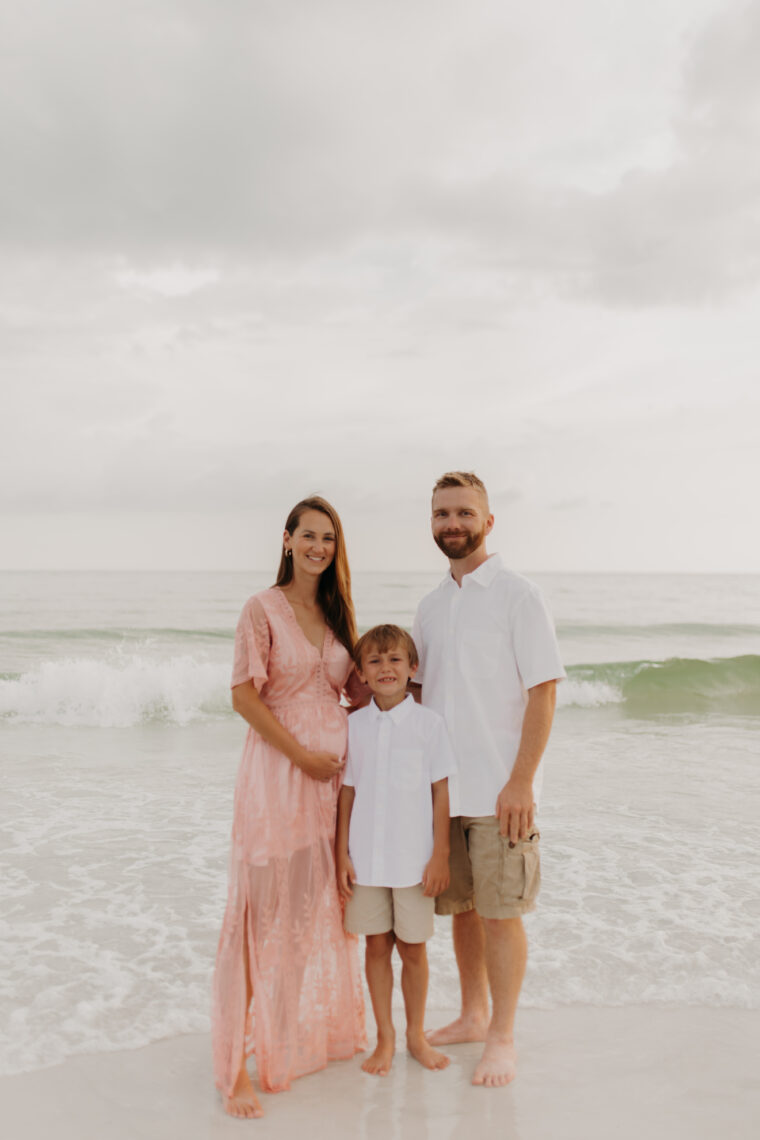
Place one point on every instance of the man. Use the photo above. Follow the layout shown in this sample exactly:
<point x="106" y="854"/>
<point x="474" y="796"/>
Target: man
<point x="489" y="663"/>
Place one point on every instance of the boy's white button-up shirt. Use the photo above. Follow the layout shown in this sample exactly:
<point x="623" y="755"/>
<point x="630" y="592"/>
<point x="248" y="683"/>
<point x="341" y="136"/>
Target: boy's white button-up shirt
<point x="393" y="759"/>
<point x="482" y="645"/>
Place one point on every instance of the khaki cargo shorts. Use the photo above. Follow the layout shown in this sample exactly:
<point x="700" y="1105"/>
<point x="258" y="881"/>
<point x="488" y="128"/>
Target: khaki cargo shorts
<point x="498" y="879"/>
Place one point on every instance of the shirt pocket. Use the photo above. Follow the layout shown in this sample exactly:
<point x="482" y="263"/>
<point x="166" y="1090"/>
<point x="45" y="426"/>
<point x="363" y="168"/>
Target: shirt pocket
<point x="406" y="770"/>
<point x="480" y="652"/>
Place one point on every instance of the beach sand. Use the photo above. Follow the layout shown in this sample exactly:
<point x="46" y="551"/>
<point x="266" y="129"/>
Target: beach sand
<point x="584" y="1072"/>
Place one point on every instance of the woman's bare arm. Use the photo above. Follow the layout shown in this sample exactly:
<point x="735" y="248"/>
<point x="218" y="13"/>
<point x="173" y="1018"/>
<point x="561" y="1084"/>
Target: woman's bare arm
<point x="318" y="765"/>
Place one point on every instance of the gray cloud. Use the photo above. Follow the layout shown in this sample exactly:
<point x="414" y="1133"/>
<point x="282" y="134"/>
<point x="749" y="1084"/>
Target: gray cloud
<point x="290" y="131"/>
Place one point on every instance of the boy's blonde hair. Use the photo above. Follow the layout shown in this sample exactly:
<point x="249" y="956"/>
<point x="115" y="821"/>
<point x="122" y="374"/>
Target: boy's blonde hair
<point x="461" y="479"/>
<point x="384" y="638"/>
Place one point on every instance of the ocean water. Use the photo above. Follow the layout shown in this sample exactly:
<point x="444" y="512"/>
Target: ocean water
<point x="118" y="753"/>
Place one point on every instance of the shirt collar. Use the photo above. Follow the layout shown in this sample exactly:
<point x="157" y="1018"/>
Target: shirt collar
<point x="398" y="713"/>
<point x="483" y="576"/>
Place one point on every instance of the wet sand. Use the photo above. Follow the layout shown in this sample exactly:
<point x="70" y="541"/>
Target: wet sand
<point x="585" y="1072"/>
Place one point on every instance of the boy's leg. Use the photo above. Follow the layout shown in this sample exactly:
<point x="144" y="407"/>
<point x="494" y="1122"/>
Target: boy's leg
<point x="380" y="983"/>
<point x="413" y="923"/>
<point x="369" y="911"/>
<point x="414" y="983"/>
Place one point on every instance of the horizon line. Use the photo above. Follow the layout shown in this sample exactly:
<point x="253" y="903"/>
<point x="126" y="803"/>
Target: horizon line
<point x="396" y="570"/>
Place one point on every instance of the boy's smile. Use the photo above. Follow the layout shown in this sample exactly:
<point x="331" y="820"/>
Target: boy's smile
<point x="387" y="674"/>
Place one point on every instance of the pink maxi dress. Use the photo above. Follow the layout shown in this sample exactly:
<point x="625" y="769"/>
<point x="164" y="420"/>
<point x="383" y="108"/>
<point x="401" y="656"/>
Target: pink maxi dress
<point x="307" y="1006"/>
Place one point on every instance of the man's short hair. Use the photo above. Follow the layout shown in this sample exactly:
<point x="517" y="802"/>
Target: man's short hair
<point x="384" y="638"/>
<point x="461" y="479"/>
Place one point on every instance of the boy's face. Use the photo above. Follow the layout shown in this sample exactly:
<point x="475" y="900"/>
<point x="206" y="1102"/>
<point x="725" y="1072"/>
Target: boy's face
<point x="387" y="673"/>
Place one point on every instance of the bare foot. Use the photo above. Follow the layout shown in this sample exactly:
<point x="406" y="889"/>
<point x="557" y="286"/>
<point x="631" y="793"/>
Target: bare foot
<point x="243" y="1101"/>
<point x="381" y="1060"/>
<point x="456" y="1032"/>
<point x="497" y="1066"/>
<point x="424" y="1052"/>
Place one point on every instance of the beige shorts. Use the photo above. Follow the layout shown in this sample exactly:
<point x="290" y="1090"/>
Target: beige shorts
<point x="498" y="879"/>
<point x="407" y="911"/>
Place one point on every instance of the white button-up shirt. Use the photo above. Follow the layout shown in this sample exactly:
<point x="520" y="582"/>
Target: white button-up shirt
<point x="481" y="647"/>
<point x="393" y="759"/>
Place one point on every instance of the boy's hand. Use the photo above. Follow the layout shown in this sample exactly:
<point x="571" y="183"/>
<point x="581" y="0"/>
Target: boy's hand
<point x="346" y="876"/>
<point x="435" y="877"/>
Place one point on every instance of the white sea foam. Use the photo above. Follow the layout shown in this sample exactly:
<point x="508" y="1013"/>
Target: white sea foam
<point x="122" y="691"/>
<point x="117" y="847"/>
<point x="119" y="692"/>
<point x="587" y="694"/>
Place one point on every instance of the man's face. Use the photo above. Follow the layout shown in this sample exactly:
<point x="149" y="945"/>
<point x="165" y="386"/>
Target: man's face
<point x="460" y="520"/>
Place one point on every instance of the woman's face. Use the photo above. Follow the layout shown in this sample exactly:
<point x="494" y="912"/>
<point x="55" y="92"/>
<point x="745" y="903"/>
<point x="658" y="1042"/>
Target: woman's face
<point x="312" y="543"/>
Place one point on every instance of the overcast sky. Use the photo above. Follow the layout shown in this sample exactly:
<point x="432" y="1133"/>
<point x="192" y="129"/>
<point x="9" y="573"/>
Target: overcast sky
<point x="251" y="250"/>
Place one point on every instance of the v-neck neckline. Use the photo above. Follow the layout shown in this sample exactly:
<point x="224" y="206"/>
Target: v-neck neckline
<point x="319" y="651"/>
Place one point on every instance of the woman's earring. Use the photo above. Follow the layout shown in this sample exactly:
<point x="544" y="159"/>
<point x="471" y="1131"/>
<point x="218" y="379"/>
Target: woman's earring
<point x="288" y="552"/>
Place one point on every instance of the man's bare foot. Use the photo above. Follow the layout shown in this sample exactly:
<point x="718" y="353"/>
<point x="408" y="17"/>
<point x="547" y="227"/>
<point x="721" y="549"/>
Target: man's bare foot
<point x="456" y="1032"/>
<point x="497" y="1066"/>
<point x="424" y="1052"/>
<point x="242" y="1102"/>
<point x="379" y="1064"/>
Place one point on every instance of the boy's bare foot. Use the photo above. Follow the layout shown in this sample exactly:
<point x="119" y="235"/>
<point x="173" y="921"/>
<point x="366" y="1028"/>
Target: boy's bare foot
<point x="242" y="1102"/>
<point x="424" y="1052"/>
<point x="379" y="1064"/>
<point x="459" y="1031"/>
<point x="497" y="1066"/>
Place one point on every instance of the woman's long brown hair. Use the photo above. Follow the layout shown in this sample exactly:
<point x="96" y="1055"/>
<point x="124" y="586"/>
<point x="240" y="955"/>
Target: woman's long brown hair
<point x="334" y="589"/>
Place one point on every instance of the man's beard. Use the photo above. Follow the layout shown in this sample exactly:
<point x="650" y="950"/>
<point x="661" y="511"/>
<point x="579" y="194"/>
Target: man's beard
<point x="461" y="545"/>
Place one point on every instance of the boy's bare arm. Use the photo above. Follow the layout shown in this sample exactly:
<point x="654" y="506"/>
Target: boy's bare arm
<point x="435" y="877"/>
<point x="343" y="864"/>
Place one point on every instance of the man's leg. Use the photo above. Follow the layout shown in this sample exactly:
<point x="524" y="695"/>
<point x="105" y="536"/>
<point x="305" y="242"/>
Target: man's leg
<point x="414" y="984"/>
<point x="469" y="948"/>
<point x="380" y="984"/>
<point x="506" y="953"/>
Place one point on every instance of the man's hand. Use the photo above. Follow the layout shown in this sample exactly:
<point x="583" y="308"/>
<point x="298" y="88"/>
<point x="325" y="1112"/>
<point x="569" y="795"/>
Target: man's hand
<point x="515" y="808"/>
<point x="435" y="877"/>
<point x="346" y="876"/>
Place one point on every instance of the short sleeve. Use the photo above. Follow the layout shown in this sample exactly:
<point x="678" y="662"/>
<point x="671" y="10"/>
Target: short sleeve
<point x="443" y="762"/>
<point x="420" y="645"/>
<point x="252" y="645"/>
<point x="535" y="643"/>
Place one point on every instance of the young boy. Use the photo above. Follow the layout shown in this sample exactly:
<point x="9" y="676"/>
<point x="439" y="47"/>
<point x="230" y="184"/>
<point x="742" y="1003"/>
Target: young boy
<point x="392" y="844"/>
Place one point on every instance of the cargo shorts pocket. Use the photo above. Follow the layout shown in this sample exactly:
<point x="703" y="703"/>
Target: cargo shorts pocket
<point x="520" y="870"/>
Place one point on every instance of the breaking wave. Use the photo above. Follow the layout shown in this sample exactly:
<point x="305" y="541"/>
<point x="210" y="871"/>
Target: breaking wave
<point x="128" y="690"/>
<point x="730" y="685"/>
<point x="89" y="692"/>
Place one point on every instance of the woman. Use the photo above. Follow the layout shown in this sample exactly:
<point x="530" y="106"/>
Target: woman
<point x="287" y="984"/>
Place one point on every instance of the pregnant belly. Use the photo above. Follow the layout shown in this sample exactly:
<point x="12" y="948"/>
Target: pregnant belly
<point x="320" y="728"/>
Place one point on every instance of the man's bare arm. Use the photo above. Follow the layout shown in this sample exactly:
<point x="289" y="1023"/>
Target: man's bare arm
<point x="514" y="804"/>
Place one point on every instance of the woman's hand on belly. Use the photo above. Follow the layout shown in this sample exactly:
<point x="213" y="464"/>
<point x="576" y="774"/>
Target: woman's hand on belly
<point x="320" y="765"/>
